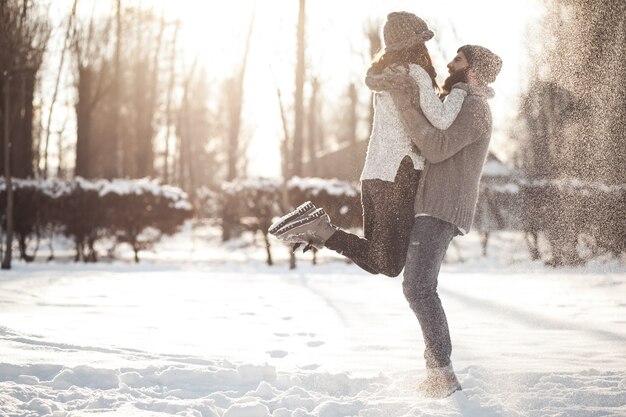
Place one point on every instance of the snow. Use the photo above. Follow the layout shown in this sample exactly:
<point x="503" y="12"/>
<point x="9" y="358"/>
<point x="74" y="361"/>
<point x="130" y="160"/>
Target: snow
<point x="314" y="185"/>
<point x="494" y="168"/>
<point x="200" y="329"/>
<point x="51" y="187"/>
<point x="330" y="186"/>
<point x="576" y="184"/>
<point x="55" y="188"/>
<point x="508" y="188"/>
<point x="260" y="184"/>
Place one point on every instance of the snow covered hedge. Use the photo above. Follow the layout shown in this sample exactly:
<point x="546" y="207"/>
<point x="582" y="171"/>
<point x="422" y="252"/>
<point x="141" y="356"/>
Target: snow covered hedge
<point x="32" y="208"/>
<point x="340" y="199"/>
<point x="137" y="212"/>
<point x="253" y="204"/>
<point x="262" y="199"/>
<point x="565" y="210"/>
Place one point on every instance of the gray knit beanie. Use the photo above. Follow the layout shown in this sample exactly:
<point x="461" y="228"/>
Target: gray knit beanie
<point x="404" y="30"/>
<point x="485" y="63"/>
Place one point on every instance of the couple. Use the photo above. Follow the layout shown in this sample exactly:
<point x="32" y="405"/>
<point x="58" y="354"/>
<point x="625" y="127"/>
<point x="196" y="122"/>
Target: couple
<point x="419" y="185"/>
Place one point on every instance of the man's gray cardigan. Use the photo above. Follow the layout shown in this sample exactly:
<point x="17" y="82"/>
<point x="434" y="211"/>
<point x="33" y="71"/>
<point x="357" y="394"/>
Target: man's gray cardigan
<point x="448" y="188"/>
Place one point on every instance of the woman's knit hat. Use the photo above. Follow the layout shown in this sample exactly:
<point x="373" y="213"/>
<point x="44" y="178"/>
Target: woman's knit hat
<point x="404" y="30"/>
<point x="485" y="63"/>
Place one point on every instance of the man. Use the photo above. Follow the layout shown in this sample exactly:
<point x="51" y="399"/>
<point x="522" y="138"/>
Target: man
<point x="446" y="199"/>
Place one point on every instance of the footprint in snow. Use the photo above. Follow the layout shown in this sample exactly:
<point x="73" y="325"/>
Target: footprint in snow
<point x="315" y="343"/>
<point x="277" y="353"/>
<point x="310" y="367"/>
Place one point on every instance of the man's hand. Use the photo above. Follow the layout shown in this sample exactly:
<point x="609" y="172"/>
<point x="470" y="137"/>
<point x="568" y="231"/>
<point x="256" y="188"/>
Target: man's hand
<point x="410" y="113"/>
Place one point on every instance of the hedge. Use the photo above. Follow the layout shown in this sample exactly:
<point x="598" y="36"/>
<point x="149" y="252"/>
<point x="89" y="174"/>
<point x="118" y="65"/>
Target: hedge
<point x="137" y="212"/>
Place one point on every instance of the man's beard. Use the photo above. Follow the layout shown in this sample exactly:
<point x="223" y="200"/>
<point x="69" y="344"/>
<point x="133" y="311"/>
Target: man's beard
<point x="459" y="76"/>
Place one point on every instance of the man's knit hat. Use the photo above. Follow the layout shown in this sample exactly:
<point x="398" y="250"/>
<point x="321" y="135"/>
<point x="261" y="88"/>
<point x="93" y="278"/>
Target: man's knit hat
<point x="485" y="63"/>
<point x="404" y="30"/>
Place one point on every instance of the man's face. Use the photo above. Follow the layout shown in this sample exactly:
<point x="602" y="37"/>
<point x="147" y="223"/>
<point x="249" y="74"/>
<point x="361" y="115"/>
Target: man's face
<point x="458" y="63"/>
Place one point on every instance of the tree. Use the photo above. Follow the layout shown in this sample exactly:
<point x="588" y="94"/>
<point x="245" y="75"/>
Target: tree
<point x="298" y="130"/>
<point x="142" y="55"/>
<point x="313" y="137"/>
<point x="121" y="79"/>
<point x="168" y="105"/>
<point x="95" y="157"/>
<point x="592" y="37"/>
<point x="372" y="31"/>
<point x="24" y="33"/>
<point x="234" y="103"/>
<point x="575" y="113"/>
<point x="199" y="137"/>
<point x="66" y="42"/>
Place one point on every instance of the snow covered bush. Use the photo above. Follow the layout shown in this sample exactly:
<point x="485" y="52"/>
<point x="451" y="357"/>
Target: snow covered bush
<point x="32" y="208"/>
<point x="340" y="199"/>
<point x="566" y="211"/>
<point x="137" y="212"/>
<point x="499" y="207"/>
<point x="570" y="210"/>
<point x="262" y="199"/>
<point x="81" y="215"/>
<point x="253" y="204"/>
<point x="250" y="204"/>
<point x="207" y="203"/>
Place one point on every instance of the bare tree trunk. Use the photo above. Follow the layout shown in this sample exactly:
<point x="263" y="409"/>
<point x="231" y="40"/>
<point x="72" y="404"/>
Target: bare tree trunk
<point x="168" y="106"/>
<point x="145" y="132"/>
<point x="115" y="167"/>
<point x="184" y="158"/>
<point x="353" y="120"/>
<point x="299" y="94"/>
<point x="313" y="128"/>
<point x="84" y="164"/>
<point x="284" y="144"/>
<point x="270" y="262"/>
<point x="44" y="173"/>
<point x="285" y="168"/>
<point x="235" y="105"/>
<point x="6" y="261"/>
<point x="23" y="35"/>
<point x="61" y="163"/>
<point x="373" y="35"/>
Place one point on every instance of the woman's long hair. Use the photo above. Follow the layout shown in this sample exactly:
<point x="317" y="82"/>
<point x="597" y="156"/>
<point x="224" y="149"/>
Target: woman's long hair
<point x="417" y="54"/>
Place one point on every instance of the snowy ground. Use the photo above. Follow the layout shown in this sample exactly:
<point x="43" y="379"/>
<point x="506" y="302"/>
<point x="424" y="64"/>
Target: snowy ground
<point x="199" y="329"/>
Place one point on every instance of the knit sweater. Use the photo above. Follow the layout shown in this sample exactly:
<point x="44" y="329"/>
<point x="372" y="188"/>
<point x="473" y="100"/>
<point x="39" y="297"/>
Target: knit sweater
<point x="389" y="142"/>
<point x="448" y="188"/>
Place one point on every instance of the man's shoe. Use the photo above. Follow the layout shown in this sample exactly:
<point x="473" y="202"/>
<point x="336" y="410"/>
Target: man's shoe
<point x="314" y="229"/>
<point x="301" y="210"/>
<point x="439" y="383"/>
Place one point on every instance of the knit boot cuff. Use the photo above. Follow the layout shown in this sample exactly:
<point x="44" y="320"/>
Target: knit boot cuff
<point x="325" y="231"/>
<point x="442" y="371"/>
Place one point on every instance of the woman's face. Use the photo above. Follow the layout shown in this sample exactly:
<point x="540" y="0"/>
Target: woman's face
<point x="458" y="63"/>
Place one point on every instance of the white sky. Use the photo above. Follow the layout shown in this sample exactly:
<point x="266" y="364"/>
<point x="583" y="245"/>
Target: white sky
<point x="338" y="50"/>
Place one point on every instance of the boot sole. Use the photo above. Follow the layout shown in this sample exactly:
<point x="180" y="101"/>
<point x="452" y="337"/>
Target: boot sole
<point x="301" y="210"/>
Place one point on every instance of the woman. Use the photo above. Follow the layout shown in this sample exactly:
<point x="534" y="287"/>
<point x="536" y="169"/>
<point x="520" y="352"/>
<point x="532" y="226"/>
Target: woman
<point x="393" y="165"/>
